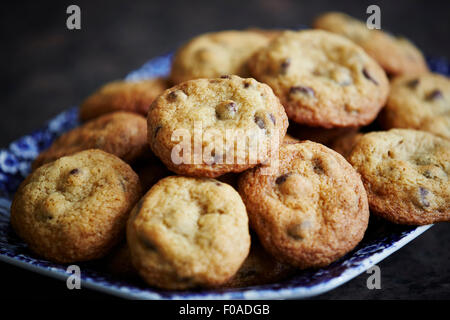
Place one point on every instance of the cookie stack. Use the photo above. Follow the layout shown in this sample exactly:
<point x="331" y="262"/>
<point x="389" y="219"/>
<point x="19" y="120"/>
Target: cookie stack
<point x="210" y="191"/>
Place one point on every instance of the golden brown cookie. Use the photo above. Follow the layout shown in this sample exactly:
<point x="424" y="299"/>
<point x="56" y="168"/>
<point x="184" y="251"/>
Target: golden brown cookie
<point x="318" y="134"/>
<point x="419" y="102"/>
<point x="151" y="172"/>
<point x="188" y="232"/>
<point x="212" y="55"/>
<point x="396" y="55"/>
<point x="322" y="79"/>
<point x="123" y="134"/>
<point x="118" y="262"/>
<point x="290" y="139"/>
<point x="208" y="127"/>
<point x="344" y="144"/>
<point x="311" y="210"/>
<point x="131" y="96"/>
<point x="259" y="268"/>
<point x="76" y="208"/>
<point x="406" y="175"/>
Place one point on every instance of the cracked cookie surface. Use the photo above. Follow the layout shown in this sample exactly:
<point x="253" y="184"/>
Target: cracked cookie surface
<point x="188" y="232"/>
<point x="322" y="79"/>
<point x="226" y="124"/>
<point x="76" y="208"/>
<point x="312" y="210"/>
<point x="396" y="55"/>
<point x="406" y="175"/>
<point x="419" y="102"/>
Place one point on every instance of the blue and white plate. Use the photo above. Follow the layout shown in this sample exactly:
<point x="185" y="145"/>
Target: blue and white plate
<point x="381" y="239"/>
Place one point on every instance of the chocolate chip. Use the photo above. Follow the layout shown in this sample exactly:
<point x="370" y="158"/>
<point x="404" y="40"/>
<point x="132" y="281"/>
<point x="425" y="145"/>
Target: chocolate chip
<point x="427" y="174"/>
<point x="301" y="89"/>
<point x="74" y="171"/>
<point x="423" y="194"/>
<point x="272" y="117"/>
<point x="412" y="84"/>
<point x="294" y="232"/>
<point x="156" y="131"/>
<point x="260" y="122"/>
<point x="218" y="184"/>
<point x="317" y="166"/>
<point x="282" y="178"/>
<point x="285" y="66"/>
<point x="172" y="96"/>
<point x="226" y="110"/>
<point x="246" y="84"/>
<point x="225" y="76"/>
<point x="232" y="107"/>
<point x="368" y="76"/>
<point x="433" y="95"/>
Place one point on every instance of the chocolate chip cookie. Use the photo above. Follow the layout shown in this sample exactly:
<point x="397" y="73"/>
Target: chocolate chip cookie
<point x="396" y="55"/>
<point x="406" y="175"/>
<point x="188" y="232"/>
<point x="214" y="54"/>
<point x="208" y="127"/>
<point x="123" y="134"/>
<point x="322" y="79"/>
<point x="318" y="134"/>
<point x="259" y="268"/>
<point x="313" y="208"/>
<point x="118" y="262"/>
<point x="419" y="102"/>
<point x="344" y="144"/>
<point x="131" y="96"/>
<point x="76" y="208"/>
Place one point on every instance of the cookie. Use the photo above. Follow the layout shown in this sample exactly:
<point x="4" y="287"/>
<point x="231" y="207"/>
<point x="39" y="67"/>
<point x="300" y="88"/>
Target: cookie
<point x="269" y="33"/>
<point x="151" y="172"/>
<point x="76" y="208"/>
<point x="188" y="232"/>
<point x="406" y="175"/>
<point x="290" y="139"/>
<point x="396" y="55"/>
<point x="131" y="96"/>
<point x="419" y="102"/>
<point x="318" y="134"/>
<point x="344" y="144"/>
<point x="259" y="268"/>
<point x="118" y="263"/>
<point x="123" y="134"/>
<point x="212" y="55"/>
<point x="322" y="79"/>
<point x="208" y="127"/>
<point x="313" y="208"/>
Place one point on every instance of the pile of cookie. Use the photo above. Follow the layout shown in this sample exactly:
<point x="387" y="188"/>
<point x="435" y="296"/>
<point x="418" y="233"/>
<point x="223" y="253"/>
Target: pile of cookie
<point x="217" y="223"/>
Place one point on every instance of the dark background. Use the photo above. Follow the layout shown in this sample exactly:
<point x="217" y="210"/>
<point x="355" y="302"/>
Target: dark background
<point x="46" y="68"/>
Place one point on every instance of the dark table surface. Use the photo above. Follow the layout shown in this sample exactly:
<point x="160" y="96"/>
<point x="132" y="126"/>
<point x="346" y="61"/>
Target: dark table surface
<point x="47" y="68"/>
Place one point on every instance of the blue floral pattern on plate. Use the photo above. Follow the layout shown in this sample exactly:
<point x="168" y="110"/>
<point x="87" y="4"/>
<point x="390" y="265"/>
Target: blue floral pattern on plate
<point x="381" y="239"/>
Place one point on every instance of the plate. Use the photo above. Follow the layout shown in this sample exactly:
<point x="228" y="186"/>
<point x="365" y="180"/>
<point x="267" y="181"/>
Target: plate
<point x="381" y="239"/>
